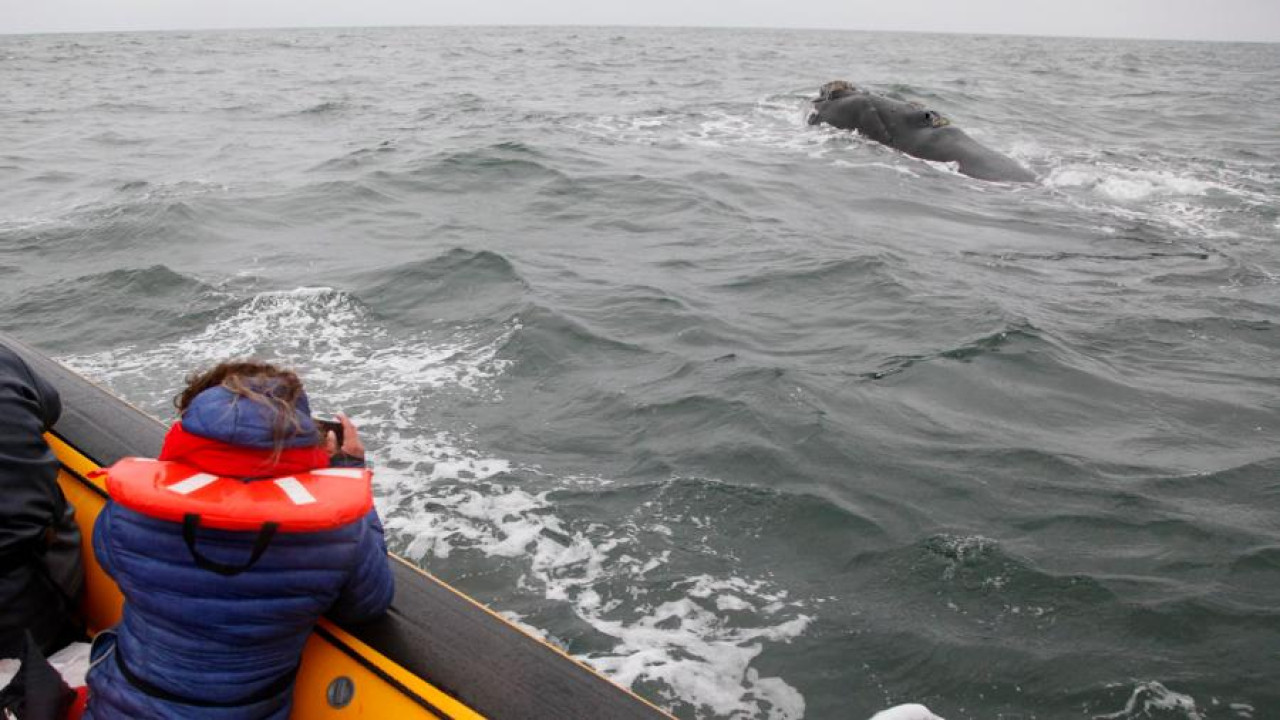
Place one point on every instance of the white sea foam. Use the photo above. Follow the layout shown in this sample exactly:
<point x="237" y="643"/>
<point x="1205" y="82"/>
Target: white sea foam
<point x="1127" y="184"/>
<point x="701" y="656"/>
<point x="901" y="169"/>
<point x="770" y="123"/>
<point x="1242" y="710"/>
<point x="439" y="495"/>
<point x="1154" y="700"/>
<point x="688" y="645"/>
<point x="1188" y="204"/>
<point x="322" y="332"/>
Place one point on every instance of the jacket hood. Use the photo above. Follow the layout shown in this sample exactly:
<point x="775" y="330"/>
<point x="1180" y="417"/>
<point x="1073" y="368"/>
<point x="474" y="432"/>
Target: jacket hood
<point x="219" y="414"/>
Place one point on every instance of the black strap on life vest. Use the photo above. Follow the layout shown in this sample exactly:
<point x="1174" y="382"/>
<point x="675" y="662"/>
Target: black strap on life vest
<point x="191" y="521"/>
<point x="277" y="686"/>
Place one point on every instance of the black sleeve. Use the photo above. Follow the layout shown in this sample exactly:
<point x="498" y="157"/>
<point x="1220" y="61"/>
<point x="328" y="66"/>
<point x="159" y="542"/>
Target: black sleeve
<point x="41" y="572"/>
<point x="18" y="377"/>
<point x="50" y="400"/>
<point x="30" y="500"/>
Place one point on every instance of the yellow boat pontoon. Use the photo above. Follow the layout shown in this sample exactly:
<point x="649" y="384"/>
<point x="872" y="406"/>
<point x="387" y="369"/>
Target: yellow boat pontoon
<point x="436" y="654"/>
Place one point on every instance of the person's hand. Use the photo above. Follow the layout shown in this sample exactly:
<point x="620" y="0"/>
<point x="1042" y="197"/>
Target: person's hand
<point x="351" y="445"/>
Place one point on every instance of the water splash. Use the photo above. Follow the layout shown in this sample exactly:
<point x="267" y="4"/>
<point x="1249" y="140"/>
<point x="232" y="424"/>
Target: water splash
<point x="1153" y="701"/>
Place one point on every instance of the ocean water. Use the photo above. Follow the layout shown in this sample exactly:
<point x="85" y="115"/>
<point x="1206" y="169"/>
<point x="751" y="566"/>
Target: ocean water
<point x="761" y="420"/>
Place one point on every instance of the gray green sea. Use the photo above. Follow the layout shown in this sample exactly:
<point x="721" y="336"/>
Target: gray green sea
<point x="760" y="419"/>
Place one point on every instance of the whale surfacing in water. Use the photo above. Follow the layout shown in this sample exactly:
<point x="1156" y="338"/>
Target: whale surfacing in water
<point x="914" y="130"/>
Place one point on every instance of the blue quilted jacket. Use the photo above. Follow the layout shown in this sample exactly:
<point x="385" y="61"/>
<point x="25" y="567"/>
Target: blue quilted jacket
<point x="201" y="645"/>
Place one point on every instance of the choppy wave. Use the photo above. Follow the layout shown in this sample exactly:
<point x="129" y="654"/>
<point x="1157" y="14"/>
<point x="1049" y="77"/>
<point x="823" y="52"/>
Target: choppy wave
<point x="1157" y="702"/>
<point x="456" y="286"/>
<point x="319" y="330"/>
<point x="990" y="343"/>
<point x="325" y="108"/>
<point x="121" y="299"/>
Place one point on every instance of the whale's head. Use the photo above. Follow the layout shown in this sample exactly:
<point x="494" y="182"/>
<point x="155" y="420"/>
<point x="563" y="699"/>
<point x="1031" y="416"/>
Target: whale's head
<point x="835" y="89"/>
<point x="831" y="91"/>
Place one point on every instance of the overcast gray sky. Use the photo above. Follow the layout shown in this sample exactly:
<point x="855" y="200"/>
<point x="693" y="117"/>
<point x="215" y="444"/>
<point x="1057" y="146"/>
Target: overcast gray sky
<point x="1182" y="19"/>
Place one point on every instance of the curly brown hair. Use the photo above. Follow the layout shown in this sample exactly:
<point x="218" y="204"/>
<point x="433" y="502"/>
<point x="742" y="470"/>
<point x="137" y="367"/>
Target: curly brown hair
<point x="261" y="382"/>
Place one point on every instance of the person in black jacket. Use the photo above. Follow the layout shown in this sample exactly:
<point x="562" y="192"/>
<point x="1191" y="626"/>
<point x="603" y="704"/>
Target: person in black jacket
<point x="41" y="575"/>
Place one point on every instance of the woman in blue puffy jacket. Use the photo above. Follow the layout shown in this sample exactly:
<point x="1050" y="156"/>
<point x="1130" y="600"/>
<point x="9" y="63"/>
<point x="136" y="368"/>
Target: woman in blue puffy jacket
<point x="228" y="548"/>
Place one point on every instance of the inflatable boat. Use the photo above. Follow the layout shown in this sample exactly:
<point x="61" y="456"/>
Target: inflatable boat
<point x="436" y="654"/>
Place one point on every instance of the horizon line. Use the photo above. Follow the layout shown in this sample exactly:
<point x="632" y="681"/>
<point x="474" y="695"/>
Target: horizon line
<point x="640" y="26"/>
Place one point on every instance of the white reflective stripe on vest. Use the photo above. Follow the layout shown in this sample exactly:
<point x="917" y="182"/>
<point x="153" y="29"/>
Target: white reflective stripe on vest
<point x="347" y="472"/>
<point x="295" y="490"/>
<point x="193" y="483"/>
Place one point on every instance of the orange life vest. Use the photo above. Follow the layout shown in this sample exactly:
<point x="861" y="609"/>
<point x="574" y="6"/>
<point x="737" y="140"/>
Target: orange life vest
<point x="312" y="501"/>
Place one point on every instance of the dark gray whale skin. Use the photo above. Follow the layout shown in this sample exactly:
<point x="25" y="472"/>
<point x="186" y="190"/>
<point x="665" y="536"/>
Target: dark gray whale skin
<point x="913" y="130"/>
